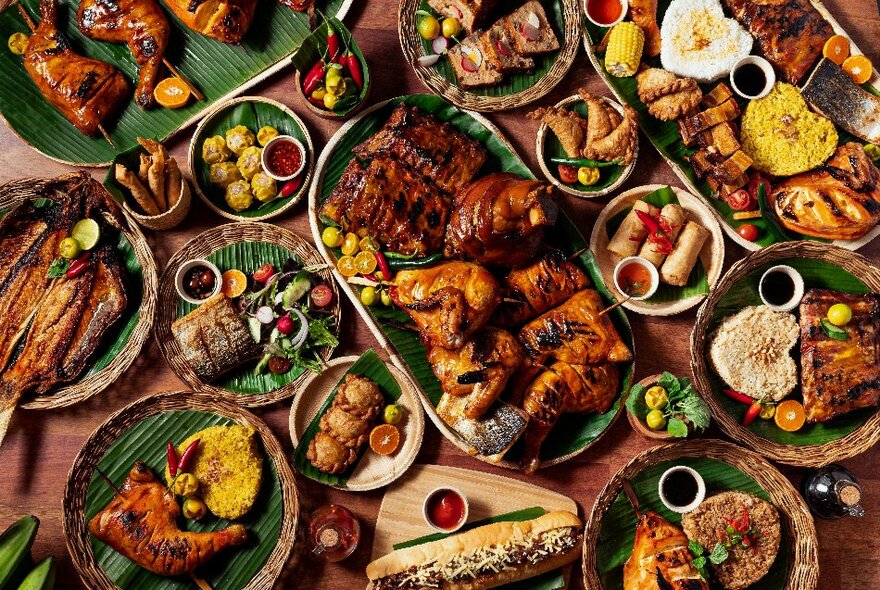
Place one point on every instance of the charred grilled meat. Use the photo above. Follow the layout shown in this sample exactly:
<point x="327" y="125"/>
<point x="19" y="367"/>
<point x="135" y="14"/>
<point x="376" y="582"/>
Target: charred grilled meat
<point x="141" y="24"/>
<point x="86" y="91"/>
<point x="839" y="376"/>
<point x="141" y="523"/>
<point x="225" y="20"/>
<point x="660" y="558"/>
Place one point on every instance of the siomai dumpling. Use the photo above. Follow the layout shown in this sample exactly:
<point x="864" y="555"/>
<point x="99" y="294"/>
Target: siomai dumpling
<point x="214" y="150"/>
<point x="223" y="174"/>
<point x="266" y="134"/>
<point x="249" y="162"/>
<point x="263" y="187"/>
<point x="239" y="138"/>
<point x="239" y="196"/>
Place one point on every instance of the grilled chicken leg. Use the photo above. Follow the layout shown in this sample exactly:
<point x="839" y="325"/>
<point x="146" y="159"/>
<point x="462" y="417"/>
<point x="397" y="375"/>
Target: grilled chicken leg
<point x="225" y="20"/>
<point x="660" y="558"/>
<point x="87" y="91"/>
<point x="139" y="23"/>
<point x="141" y="524"/>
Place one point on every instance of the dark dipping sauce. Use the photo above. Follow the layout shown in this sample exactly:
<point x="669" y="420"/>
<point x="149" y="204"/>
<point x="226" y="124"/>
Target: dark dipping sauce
<point x="634" y="279"/>
<point x="284" y="158"/>
<point x="750" y="79"/>
<point x="680" y="488"/>
<point x="777" y="288"/>
<point x="445" y="509"/>
<point x="199" y="281"/>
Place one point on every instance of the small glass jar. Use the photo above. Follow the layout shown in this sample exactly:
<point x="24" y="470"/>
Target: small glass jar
<point x="333" y="532"/>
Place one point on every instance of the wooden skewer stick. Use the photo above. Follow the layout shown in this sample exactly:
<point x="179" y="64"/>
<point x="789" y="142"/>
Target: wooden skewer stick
<point x="615" y="306"/>
<point x="200" y="582"/>
<point x="192" y="87"/>
<point x="578" y="253"/>
<point x="109" y="482"/>
<point x="631" y="495"/>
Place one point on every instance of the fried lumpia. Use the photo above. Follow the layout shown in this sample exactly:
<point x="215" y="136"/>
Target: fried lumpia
<point x="677" y="268"/>
<point x="632" y="231"/>
<point x="672" y="217"/>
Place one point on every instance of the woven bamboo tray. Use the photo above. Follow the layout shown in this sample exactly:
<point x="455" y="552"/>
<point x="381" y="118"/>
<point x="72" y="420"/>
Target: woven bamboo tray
<point x="16" y="191"/>
<point x="204" y="245"/>
<point x="798" y="526"/>
<point x="711" y="255"/>
<point x="81" y="472"/>
<point x="856" y="442"/>
<point x="411" y="43"/>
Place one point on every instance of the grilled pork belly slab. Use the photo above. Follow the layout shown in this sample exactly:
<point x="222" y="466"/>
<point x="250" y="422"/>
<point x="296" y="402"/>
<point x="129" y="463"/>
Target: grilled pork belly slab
<point x="839" y="376"/>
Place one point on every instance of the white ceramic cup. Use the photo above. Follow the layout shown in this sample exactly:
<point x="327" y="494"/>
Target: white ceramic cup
<point x="796" y="278"/>
<point x="701" y="489"/>
<point x="434" y="492"/>
<point x="624" y="8"/>
<point x="769" y="75"/>
<point x="267" y="150"/>
<point x="652" y="271"/>
<point x="185" y="267"/>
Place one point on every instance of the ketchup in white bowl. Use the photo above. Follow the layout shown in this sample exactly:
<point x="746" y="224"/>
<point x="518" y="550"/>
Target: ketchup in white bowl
<point x="446" y="509"/>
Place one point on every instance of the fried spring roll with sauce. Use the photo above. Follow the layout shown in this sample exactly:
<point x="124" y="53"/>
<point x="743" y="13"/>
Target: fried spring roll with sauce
<point x="675" y="218"/>
<point x="677" y="268"/>
<point x="632" y="232"/>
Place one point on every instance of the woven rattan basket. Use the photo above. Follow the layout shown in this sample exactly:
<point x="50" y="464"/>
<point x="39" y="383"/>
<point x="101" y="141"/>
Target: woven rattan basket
<point x="202" y="246"/>
<point x="411" y="42"/>
<point x="167" y="219"/>
<point x="799" y="529"/>
<point x="856" y="442"/>
<point x="15" y="192"/>
<point x="75" y="532"/>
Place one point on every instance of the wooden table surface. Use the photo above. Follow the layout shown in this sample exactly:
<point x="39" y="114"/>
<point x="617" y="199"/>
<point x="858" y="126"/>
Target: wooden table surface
<point x="41" y="445"/>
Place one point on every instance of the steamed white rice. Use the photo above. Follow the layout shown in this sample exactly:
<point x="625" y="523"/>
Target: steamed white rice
<point x="699" y="42"/>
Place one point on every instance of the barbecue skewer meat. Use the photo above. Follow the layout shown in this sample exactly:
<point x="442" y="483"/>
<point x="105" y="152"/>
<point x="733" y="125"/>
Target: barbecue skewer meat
<point x="660" y="558"/>
<point x="139" y="23"/>
<point x="141" y="523"/>
<point x="225" y="20"/>
<point x="86" y="91"/>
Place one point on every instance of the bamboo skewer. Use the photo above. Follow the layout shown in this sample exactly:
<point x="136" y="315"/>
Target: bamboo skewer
<point x="192" y="87"/>
<point x="615" y="306"/>
<point x="633" y="498"/>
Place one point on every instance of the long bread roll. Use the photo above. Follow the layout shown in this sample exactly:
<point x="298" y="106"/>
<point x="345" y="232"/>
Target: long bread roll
<point x="517" y="550"/>
<point x="632" y="232"/>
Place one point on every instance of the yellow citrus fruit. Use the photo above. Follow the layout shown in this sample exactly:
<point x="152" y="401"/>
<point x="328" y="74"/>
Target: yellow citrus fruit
<point x="836" y="48"/>
<point x="365" y="262"/>
<point x="172" y="93"/>
<point x="17" y="43"/>
<point x="346" y="266"/>
<point x="384" y="439"/>
<point x="350" y="244"/>
<point x="234" y="283"/>
<point x="859" y="68"/>
<point x="790" y="415"/>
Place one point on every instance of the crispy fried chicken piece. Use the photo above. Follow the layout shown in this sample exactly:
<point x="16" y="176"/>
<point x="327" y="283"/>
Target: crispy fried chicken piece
<point x="569" y="127"/>
<point x="660" y="558"/>
<point x="141" y="524"/>
<point x="644" y="14"/>
<point x="621" y="142"/>
<point x="667" y="96"/>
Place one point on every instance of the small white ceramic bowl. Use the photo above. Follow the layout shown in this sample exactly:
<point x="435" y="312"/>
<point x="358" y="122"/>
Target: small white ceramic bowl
<point x="624" y="8"/>
<point x="268" y="147"/>
<point x="769" y="75"/>
<point x="652" y="271"/>
<point x="435" y="491"/>
<point x="796" y="278"/>
<point x="185" y="267"/>
<point x="701" y="489"/>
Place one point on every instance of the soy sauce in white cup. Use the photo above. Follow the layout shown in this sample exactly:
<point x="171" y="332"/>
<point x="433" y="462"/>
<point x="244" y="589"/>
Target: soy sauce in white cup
<point x="681" y="489"/>
<point x="781" y="288"/>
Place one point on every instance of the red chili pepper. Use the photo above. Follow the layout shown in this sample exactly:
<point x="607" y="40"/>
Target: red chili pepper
<point x="187" y="456"/>
<point x="78" y="266"/>
<point x="317" y="102"/>
<point x="333" y="44"/>
<point x="751" y="413"/>
<point x="314" y="77"/>
<point x="382" y="263"/>
<point x="354" y="68"/>
<point x="292" y="185"/>
<point x="740" y="397"/>
<point x="651" y="223"/>
<point x="656" y="232"/>
<point x="173" y="460"/>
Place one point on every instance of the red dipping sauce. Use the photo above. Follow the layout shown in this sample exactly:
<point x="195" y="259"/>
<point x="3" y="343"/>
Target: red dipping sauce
<point x="446" y="509"/>
<point x="604" y="12"/>
<point x="284" y="158"/>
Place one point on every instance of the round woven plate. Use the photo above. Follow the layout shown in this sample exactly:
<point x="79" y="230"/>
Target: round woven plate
<point x="711" y="256"/>
<point x="860" y="439"/>
<point x="13" y="193"/>
<point x="195" y="158"/>
<point x="411" y="43"/>
<point x="798" y="527"/>
<point x="78" y="539"/>
<point x="372" y="471"/>
<point x="204" y="245"/>
<point x="540" y="143"/>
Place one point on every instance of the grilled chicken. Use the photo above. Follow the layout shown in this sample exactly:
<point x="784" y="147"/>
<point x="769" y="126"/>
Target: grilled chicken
<point x="500" y="219"/>
<point x="575" y="333"/>
<point x="839" y="376"/>
<point x="660" y="558"/>
<point x="139" y="23"/>
<point x="448" y="302"/>
<point x="542" y="285"/>
<point x="225" y="20"/>
<point x="479" y="369"/>
<point x="837" y="201"/>
<point x="86" y="91"/>
<point x="560" y="389"/>
<point x="141" y="524"/>
<point x="790" y="33"/>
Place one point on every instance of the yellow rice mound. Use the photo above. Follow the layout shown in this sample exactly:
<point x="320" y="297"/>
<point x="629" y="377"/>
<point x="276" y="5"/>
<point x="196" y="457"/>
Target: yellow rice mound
<point x="229" y="468"/>
<point x="782" y="136"/>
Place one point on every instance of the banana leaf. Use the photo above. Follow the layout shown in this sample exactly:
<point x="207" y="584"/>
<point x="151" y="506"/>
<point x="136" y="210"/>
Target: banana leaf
<point x="145" y="441"/>
<point x="698" y="281"/>
<point x="547" y="581"/>
<point x="817" y="274"/>
<point x="573" y="432"/>
<point x="516" y="82"/>
<point x="617" y="534"/>
<point x="219" y="71"/>
<point x="369" y="365"/>
<point x="253" y="115"/>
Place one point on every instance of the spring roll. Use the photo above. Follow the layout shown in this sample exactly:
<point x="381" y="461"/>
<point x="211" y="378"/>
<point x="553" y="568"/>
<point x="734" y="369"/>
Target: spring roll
<point x="172" y="182"/>
<point x="156" y="171"/>
<point x="675" y="217"/>
<point x="144" y="168"/>
<point x="632" y="231"/>
<point x="677" y="268"/>
<point x="129" y="180"/>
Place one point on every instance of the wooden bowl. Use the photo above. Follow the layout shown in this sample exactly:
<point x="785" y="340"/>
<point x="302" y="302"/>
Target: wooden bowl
<point x="640" y="425"/>
<point x="324" y="113"/>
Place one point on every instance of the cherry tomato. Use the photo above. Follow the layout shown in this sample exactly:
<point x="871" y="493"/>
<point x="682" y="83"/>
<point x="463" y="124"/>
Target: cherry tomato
<point x="322" y="295"/>
<point x="738" y="200"/>
<point x="568" y="174"/>
<point x="264" y="273"/>
<point x="754" y="183"/>
<point x="748" y="231"/>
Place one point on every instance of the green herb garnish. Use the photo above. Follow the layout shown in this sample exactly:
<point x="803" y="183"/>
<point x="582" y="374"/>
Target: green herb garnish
<point x="58" y="268"/>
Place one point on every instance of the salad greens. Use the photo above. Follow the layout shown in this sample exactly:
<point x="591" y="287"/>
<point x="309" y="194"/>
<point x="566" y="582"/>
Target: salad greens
<point x="684" y="405"/>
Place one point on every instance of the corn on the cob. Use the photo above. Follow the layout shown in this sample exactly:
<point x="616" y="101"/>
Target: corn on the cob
<point x="625" y="45"/>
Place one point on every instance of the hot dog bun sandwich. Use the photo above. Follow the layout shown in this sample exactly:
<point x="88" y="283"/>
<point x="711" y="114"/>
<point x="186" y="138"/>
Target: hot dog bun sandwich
<point x="482" y="558"/>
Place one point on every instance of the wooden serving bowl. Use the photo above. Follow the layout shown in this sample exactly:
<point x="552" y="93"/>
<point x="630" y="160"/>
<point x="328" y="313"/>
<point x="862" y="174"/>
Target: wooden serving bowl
<point x="640" y="425"/>
<point x="324" y="113"/>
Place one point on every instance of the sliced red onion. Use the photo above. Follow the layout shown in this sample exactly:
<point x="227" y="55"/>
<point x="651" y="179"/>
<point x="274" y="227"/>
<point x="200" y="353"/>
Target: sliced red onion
<point x="278" y="297"/>
<point x="265" y="315"/>
<point x="440" y="45"/>
<point x="426" y="61"/>
<point x="303" y="333"/>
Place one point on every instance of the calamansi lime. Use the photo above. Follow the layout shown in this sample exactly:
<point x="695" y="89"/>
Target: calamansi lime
<point x="839" y="314"/>
<point x="656" y="397"/>
<point x="655" y="419"/>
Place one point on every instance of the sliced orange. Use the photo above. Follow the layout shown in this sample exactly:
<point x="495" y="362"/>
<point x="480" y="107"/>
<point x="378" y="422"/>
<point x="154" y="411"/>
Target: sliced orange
<point x="172" y="93"/>
<point x="346" y="266"/>
<point x="790" y="415"/>
<point x="836" y="48"/>
<point x="369" y="244"/>
<point x="384" y="439"/>
<point x="859" y="68"/>
<point x="234" y="283"/>
<point x="365" y="262"/>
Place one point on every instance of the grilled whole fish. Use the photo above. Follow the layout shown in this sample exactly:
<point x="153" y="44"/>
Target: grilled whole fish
<point x="660" y="559"/>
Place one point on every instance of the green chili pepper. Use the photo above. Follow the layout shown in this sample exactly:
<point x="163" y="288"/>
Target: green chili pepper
<point x="582" y="162"/>
<point x="396" y="264"/>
